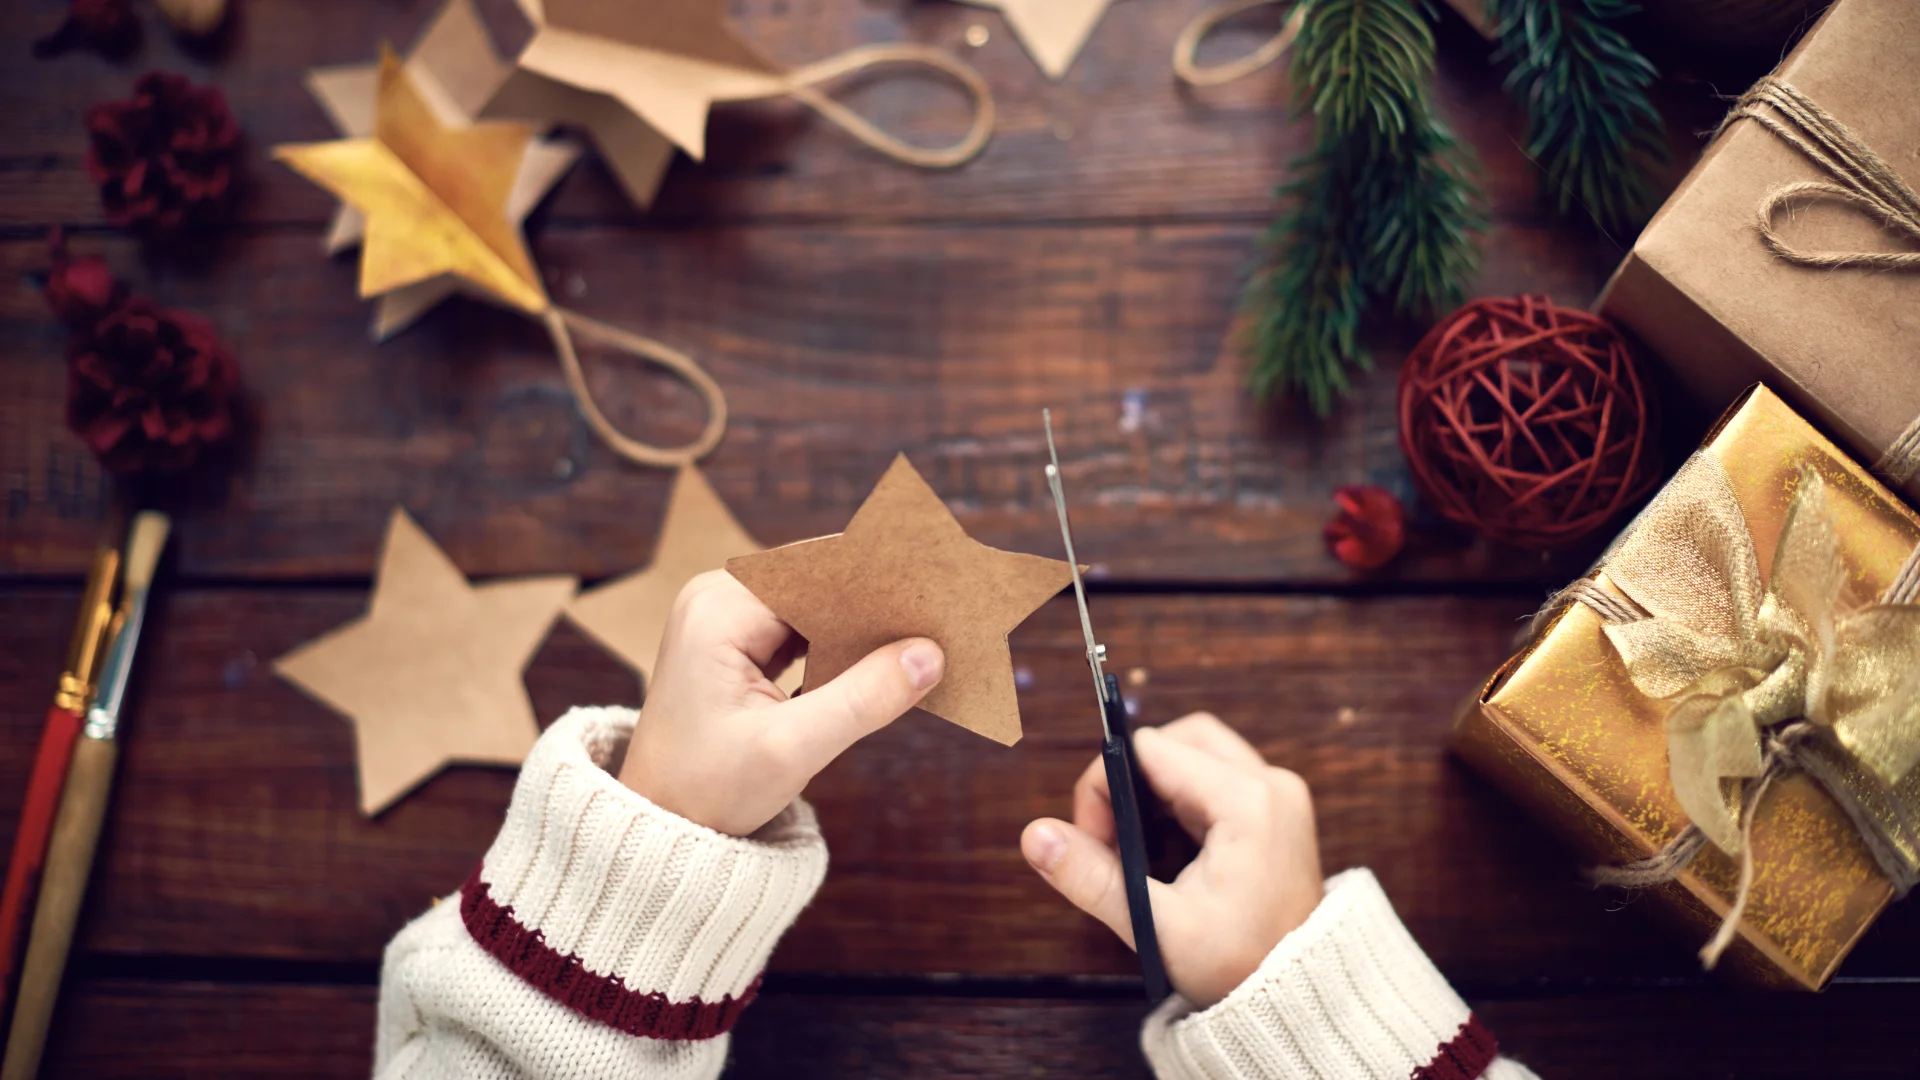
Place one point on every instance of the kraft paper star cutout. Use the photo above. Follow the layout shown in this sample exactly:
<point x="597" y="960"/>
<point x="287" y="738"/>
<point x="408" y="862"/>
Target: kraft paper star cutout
<point x="435" y="196"/>
<point x="457" y="72"/>
<point x="663" y="62"/>
<point x="1052" y="30"/>
<point x="629" y="615"/>
<point x="906" y="568"/>
<point x="431" y="675"/>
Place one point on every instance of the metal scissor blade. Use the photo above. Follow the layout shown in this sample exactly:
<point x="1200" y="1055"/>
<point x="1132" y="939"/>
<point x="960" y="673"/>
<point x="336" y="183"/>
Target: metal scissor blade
<point x="1095" y="650"/>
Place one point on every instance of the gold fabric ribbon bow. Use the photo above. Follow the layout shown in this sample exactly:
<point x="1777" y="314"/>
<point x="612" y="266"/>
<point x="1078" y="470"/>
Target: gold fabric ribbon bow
<point x="1761" y="677"/>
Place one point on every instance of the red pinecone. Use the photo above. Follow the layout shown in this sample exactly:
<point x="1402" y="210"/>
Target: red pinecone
<point x="149" y="388"/>
<point x="165" y="159"/>
<point x="1370" y="529"/>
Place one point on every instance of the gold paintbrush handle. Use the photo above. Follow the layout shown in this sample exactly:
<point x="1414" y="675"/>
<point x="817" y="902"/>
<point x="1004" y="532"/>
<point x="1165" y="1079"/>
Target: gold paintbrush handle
<point x="63" y="887"/>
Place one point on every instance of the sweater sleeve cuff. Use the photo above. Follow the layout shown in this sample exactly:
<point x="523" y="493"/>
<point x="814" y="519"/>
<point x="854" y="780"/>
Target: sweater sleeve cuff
<point x="1348" y="994"/>
<point x="624" y="912"/>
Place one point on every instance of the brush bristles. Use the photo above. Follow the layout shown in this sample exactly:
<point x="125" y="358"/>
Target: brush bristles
<point x="144" y="547"/>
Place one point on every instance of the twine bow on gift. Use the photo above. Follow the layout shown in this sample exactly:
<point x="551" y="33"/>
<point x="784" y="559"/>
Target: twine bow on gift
<point x="1760" y="678"/>
<point x="1861" y="179"/>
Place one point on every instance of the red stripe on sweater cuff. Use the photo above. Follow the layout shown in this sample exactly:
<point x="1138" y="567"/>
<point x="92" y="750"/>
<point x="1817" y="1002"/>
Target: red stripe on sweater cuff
<point x="566" y="980"/>
<point x="1463" y="1057"/>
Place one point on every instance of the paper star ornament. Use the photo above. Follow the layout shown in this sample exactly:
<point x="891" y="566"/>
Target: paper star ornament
<point x="1052" y="30"/>
<point x="906" y="568"/>
<point x="629" y="614"/>
<point x="434" y="195"/>
<point x="431" y="675"/>
<point x="639" y="77"/>
<point x="456" y="72"/>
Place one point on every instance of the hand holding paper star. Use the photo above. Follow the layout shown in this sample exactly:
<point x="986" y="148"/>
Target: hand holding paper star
<point x="905" y="568"/>
<point x="431" y="674"/>
<point x="455" y="70"/>
<point x="629" y="614"/>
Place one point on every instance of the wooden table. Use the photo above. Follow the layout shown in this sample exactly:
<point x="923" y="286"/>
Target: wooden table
<point x="852" y="308"/>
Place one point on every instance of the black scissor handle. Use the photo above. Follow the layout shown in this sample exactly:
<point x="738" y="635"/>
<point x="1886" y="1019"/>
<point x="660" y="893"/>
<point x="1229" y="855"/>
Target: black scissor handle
<point x="1128" y="791"/>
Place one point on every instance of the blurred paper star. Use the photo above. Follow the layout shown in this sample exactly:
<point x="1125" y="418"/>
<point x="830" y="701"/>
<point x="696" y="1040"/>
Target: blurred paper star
<point x="1052" y="30"/>
<point x="435" y="196"/>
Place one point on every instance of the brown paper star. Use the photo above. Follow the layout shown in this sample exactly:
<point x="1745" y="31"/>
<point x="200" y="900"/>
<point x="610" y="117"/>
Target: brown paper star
<point x="456" y="72"/>
<point x="431" y="674"/>
<point x="665" y="61"/>
<point x="629" y="614"/>
<point x="906" y="568"/>
<point x="435" y="196"/>
<point x="1052" y="30"/>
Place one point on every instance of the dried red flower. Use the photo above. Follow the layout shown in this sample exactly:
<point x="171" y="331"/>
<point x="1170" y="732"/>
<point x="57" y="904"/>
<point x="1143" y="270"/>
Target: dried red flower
<point x="165" y="159"/>
<point x="106" y="25"/>
<point x="1370" y="528"/>
<point x="149" y="389"/>
<point x="81" y="290"/>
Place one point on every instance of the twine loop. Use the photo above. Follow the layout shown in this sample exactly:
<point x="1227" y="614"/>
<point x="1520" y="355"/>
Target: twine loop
<point x="1190" y="71"/>
<point x="803" y="82"/>
<point x="562" y="324"/>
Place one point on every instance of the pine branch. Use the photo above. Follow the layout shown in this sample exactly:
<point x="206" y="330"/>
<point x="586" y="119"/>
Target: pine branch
<point x="1380" y="211"/>
<point x="1590" y="124"/>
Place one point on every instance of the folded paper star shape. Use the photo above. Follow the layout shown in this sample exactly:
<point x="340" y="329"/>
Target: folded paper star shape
<point x="905" y="568"/>
<point x="629" y="614"/>
<point x="431" y="674"/>
<point x="663" y="64"/>
<point x="456" y="71"/>
<point x="1052" y="30"/>
<point x="435" y="196"/>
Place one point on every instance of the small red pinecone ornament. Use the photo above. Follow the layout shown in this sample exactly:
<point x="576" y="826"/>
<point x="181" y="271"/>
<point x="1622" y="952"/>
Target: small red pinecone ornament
<point x="1370" y="528"/>
<point x="165" y="159"/>
<point x="149" y="389"/>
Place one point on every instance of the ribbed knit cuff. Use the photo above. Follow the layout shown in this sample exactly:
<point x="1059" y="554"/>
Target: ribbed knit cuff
<point x="623" y="912"/>
<point x="1347" y="995"/>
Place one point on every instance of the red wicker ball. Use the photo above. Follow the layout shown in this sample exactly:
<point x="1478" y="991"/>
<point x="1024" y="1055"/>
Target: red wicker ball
<point x="1527" y="422"/>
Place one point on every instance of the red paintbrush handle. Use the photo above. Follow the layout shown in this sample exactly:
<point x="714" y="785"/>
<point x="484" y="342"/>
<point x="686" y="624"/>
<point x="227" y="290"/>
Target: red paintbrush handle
<point x="30" y="842"/>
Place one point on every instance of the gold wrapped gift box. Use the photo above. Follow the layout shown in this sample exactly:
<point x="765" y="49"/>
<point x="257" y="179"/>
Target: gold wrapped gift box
<point x="1564" y="730"/>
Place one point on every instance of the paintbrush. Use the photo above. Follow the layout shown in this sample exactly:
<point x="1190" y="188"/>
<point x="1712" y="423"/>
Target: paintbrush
<point x="50" y="760"/>
<point x="83" y="806"/>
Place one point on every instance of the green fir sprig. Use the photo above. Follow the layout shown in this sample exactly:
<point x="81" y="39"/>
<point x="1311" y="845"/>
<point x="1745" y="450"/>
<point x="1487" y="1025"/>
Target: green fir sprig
<point x="1590" y="125"/>
<point x="1380" y="210"/>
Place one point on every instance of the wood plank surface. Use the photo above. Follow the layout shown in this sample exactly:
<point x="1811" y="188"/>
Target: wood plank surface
<point x="837" y="346"/>
<point x="1119" y="137"/>
<point x="234" y="831"/>
<point x="306" y="1031"/>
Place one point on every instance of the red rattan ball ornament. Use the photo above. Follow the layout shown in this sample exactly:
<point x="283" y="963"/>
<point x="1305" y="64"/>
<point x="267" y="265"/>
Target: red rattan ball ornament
<point x="1527" y="422"/>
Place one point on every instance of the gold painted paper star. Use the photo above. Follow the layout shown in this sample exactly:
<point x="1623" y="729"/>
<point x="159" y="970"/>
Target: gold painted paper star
<point x="457" y="72"/>
<point x="432" y="674"/>
<point x="435" y="196"/>
<point x="906" y="568"/>
<point x="629" y="614"/>
<point x="1052" y="30"/>
<point x="664" y="62"/>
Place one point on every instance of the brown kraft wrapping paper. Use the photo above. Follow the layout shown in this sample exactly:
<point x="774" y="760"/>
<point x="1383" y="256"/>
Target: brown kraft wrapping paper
<point x="1701" y="289"/>
<point x="1562" y="729"/>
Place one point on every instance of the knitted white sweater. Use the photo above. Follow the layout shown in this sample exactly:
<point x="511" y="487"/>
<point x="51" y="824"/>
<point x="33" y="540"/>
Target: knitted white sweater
<point x="603" y="936"/>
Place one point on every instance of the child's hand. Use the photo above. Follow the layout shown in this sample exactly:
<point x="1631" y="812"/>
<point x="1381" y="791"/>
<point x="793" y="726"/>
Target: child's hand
<point x="1257" y="876"/>
<point x="719" y="744"/>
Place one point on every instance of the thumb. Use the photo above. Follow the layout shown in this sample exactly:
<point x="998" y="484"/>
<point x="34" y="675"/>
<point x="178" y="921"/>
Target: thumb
<point x="860" y="701"/>
<point x="1087" y="872"/>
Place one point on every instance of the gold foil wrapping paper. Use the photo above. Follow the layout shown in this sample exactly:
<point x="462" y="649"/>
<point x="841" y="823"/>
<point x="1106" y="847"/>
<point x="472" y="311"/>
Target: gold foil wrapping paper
<point x="1562" y="728"/>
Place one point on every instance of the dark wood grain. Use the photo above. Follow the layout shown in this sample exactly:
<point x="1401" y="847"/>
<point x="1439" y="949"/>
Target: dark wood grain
<point x="838" y="347"/>
<point x="1119" y="137"/>
<point x="234" y="831"/>
<point x="197" y="1029"/>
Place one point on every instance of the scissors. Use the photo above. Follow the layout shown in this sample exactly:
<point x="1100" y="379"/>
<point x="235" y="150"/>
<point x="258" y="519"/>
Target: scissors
<point x="1133" y="802"/>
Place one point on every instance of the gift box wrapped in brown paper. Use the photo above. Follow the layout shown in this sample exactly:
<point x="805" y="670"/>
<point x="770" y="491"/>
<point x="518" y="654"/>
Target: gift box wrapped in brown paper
<point x="1841" y="342"/>
<point x="1570" y="729"/>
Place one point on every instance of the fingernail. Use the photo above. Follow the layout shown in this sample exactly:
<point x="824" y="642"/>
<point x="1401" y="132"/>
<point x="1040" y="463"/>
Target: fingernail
<point x="1044" y="846"/>
<point x="922" y="661"/>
